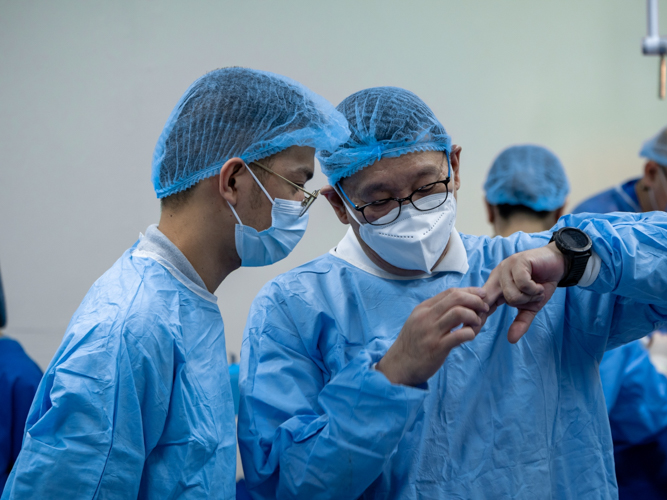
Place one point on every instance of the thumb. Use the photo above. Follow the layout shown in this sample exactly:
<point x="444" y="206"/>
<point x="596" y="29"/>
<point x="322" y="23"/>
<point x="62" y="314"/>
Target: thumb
<point x="520" y="325"/>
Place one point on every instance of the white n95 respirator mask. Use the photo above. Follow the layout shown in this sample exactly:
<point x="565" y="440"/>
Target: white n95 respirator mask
<point x="262" y="248"/>
<point x="416" y="239"/>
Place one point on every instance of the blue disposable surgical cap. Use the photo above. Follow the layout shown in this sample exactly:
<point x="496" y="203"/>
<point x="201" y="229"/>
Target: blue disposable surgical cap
<point x="239" y="112"/>
<point x="656" y="148"/>
<point x="385" y="122"/>
<point x="527" y="175"/>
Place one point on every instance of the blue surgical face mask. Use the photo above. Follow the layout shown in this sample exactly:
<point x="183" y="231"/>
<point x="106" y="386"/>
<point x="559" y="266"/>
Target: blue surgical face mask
<point x="262" y="248"/>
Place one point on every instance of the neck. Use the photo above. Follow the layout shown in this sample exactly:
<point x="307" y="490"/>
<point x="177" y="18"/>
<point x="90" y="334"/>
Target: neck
<point x="520" y="222"/>
<point x="208" y="244"/>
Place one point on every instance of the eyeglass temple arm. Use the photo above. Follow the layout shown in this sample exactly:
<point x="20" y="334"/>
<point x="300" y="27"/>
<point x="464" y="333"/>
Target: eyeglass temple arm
<point x="312" y="195"/>
<point x="346" y="196"/>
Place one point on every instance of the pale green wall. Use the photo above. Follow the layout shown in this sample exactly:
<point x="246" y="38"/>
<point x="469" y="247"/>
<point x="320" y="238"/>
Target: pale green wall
<point x="85" y="88"/>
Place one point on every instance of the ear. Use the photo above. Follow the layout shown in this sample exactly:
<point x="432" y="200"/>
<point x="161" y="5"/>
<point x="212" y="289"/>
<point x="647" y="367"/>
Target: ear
<point x="490" y="212"/>
<point x="229" y="176"/>
<point x="650" y="173"/>
<point x="454" y="158"/>
<point x="336" y="203"/>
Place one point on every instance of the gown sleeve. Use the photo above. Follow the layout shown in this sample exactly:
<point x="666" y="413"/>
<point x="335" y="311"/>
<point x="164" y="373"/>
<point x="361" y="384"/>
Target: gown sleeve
<point x="91" y="415"/>
<point x="303" y="434"/>
<point x="628" y="300"/>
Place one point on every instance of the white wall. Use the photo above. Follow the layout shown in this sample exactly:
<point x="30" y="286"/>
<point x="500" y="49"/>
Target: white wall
<point x="85" y="88"/>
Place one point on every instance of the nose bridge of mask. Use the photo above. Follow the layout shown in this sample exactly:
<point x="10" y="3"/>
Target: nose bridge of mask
<point x="261" y="187"/>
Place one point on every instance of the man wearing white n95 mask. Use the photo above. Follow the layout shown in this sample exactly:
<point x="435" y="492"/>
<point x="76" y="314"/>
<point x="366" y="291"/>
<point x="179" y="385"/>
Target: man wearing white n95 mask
<point x="383" y="369"/>
<point x="137" y="401"/>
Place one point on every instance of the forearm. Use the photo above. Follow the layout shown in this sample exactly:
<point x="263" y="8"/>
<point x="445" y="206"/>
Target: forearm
<point x="343" y="447"/>
<point x="633" y="253"/>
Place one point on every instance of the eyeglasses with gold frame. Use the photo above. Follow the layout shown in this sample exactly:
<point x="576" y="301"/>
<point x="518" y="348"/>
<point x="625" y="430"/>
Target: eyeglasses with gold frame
<point x="307" y="201"/>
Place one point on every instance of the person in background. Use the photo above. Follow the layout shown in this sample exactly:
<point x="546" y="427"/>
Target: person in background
<point x="137" y="401"/>
<point x="19" y="378"/>
<point x="643" y="194"/>
<point x="526" y="190"/>
<point x="640" y="464"/>
<point x="383" y="368"/>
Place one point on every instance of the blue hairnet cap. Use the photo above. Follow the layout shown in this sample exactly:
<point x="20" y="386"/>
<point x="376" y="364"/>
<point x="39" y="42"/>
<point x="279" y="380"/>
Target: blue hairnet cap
<point x="656" y="148"/>
<point x="385" y="122"/>
<point x="527" y="175"/>
<point x="239" y="112"/>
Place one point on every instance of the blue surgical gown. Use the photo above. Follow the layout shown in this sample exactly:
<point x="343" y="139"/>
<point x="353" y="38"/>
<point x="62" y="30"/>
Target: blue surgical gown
<point x="636" y="397"/>
<point x="496" y="420"/>
<point x="19" y="378"/>
<point x="621" y="198"/>
<point x="635" y="393"/>
<point x="136" y="402"/>
<point x="636" y="410"/>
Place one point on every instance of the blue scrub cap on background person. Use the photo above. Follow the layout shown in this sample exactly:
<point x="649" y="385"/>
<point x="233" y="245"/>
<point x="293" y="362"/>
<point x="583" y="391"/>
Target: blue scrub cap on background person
<point x="656" y="148"/>
<point x="239" y="112"/>
<point x="385" y="122"/>
<point x="527" y="175"/>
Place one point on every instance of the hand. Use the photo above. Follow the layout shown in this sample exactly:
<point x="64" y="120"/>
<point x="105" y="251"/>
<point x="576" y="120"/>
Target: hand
<point x="427" y="337"/>
<point x="526" y="280"/>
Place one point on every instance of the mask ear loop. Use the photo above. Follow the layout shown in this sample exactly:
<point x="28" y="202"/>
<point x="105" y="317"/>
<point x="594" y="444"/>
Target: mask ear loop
<point x="235" y="214"/>
<point x="259" y="184"/>
<point x="262" y="188"/>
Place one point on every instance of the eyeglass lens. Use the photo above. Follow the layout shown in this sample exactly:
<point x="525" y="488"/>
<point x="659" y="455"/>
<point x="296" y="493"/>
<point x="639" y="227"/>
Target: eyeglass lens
<point x="375" y="211"/>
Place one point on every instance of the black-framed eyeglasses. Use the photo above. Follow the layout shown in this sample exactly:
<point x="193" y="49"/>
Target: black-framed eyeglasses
<point x="376" y="210"/>
<point x="307" y="201"/>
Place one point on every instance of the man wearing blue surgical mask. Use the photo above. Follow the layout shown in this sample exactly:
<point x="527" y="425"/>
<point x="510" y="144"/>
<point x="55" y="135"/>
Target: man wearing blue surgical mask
<point x="137" y="401"/>
<point x="383" y="368"/>
<point x="643" y="194"/>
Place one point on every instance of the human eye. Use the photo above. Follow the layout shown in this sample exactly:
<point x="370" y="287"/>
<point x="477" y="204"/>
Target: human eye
<point x="427" y="188"/>
<point x="380" y="203"/>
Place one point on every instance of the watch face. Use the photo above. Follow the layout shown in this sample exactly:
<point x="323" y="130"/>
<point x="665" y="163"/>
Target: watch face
<point x="575" y="240"/>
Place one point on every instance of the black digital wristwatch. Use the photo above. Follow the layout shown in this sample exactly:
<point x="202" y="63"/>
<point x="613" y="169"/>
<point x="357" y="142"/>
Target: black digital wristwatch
<point x="575" y="245"/>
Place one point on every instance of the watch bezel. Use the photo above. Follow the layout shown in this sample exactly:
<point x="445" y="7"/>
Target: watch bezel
<point x="569" y="249"/>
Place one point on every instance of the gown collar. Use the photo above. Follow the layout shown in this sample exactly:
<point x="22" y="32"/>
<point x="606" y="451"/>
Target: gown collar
<point x="154" y="244"/>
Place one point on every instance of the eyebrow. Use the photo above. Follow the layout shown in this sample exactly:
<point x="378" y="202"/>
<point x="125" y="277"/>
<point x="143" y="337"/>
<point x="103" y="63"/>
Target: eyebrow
<point x="382" y="185"/>
<point x="306" y="171"/>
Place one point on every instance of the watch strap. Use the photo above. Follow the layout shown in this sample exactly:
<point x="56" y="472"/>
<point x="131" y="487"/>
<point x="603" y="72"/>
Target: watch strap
<point x="577" y="269"/>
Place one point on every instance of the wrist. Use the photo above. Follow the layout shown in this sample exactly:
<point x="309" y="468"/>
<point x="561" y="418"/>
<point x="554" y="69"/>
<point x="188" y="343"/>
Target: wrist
<point x="393" y="372"/>
<point x="576" y="248"/>
<point x="563" y="267"/>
